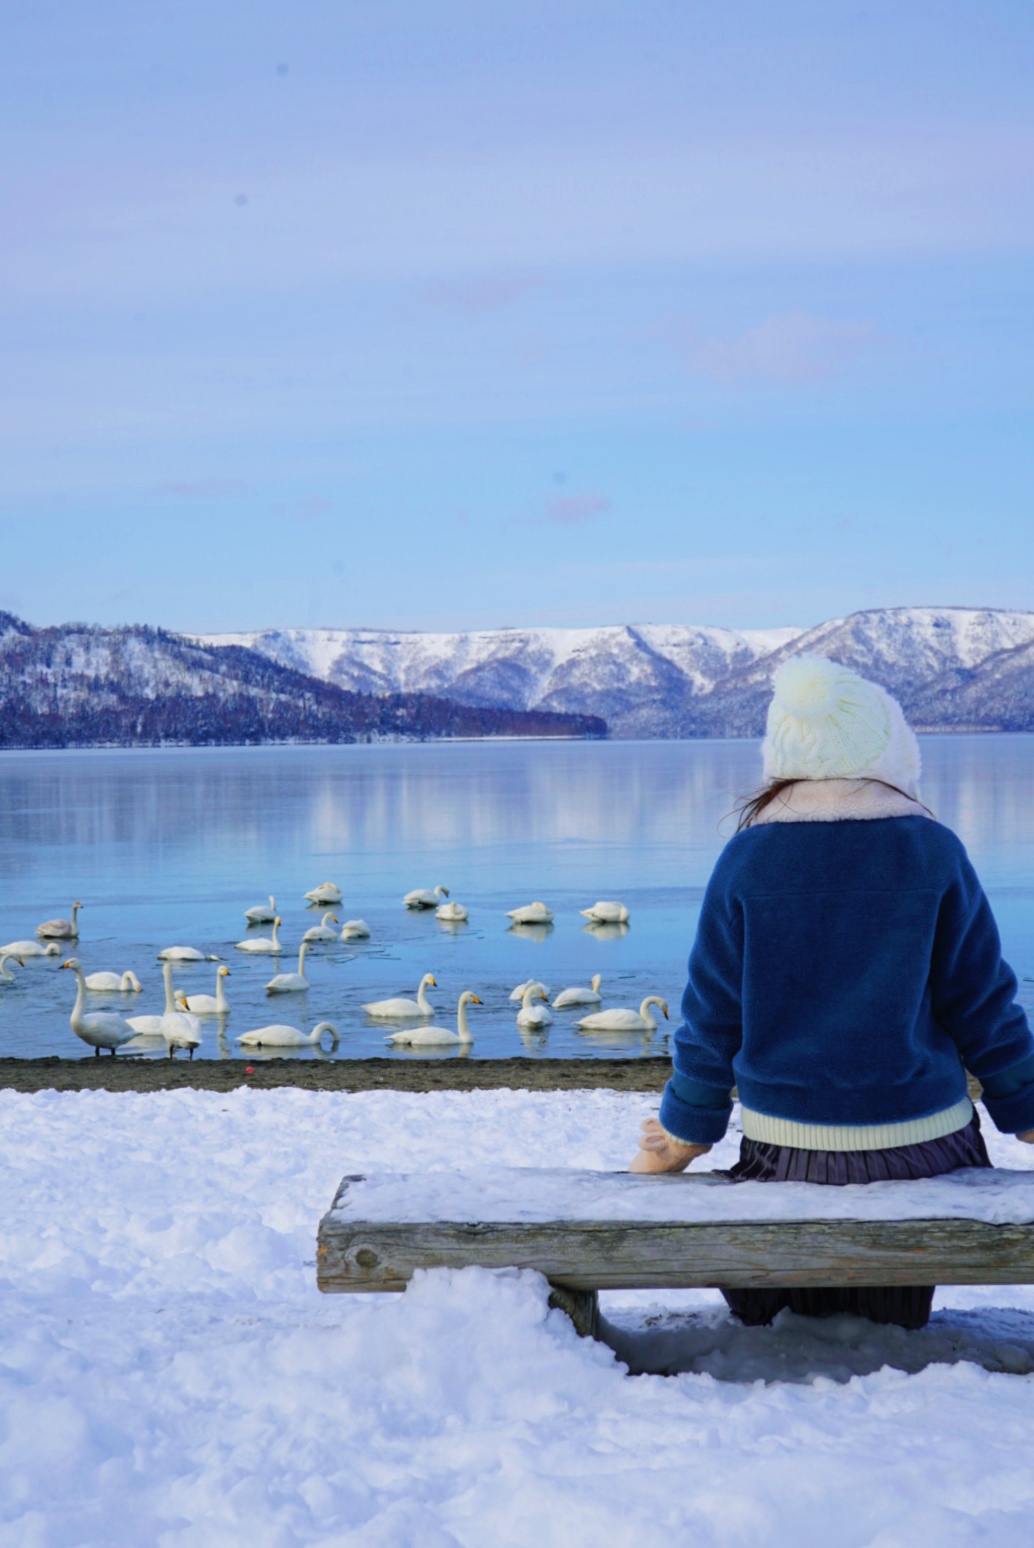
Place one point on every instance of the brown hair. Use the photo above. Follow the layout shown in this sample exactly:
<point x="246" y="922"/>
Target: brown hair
<point x="749" y="810"/>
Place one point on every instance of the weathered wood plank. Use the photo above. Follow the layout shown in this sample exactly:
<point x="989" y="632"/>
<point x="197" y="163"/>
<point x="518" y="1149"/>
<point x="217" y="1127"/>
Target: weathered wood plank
<point x="364" y="1256"/>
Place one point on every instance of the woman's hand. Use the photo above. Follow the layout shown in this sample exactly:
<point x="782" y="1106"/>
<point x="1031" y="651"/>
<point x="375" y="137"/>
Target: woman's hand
<point x="659" y="1153"/>
<point x="1028" y="1138"/>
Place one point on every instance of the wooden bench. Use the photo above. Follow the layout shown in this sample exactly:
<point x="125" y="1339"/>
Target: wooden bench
<point x="592" y="1231"/>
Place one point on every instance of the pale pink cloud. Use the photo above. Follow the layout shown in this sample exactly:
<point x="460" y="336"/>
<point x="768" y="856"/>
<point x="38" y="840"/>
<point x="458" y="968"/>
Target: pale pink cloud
<point x="572" y="509"/>
<point x="790" y="349"/>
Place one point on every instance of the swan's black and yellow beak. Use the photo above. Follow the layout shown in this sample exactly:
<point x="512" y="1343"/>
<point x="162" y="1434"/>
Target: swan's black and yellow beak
<point x="474" y="1000"/>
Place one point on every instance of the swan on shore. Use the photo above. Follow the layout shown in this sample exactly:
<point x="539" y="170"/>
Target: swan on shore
<point x="285" y="983"/>
<point x="185" y="954"/>
<point x="533" y="1017"/>
<point x="279" y="1036"/>
<point x="326" y="892"/>
<point x="529" y="983"/>
<point x="531" y="913"/>
<point x="30" y="949"/>
<point x="606" y="913"/>
<point x="263" y="945"/>
<point x="322" y="931"/>
<point x="621" y="1019"/>
<point x="405" y="1010"/>
<point x="207" y="1004"/>
<point x="148" y="1026"/>
<point x="580" y="996"/>
<point x="439" y="1037"/>
<point x="6" y="976"/>
<point x="61" y="929"/>
<point x="355" y="930"/>
<point x="262" y="913"/>
<point x="99" y="1029"/>
<point x="114" y="983"/>
<point x="423" y="897"/>
<point x="178" y="1027"/>
<point x="451" y="913"/>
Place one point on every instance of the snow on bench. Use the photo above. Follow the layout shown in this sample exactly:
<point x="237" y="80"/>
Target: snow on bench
<point x="591" y="1231"/>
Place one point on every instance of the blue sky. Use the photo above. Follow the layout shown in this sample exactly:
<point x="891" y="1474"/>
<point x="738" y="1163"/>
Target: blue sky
<point x="440" y="314"/>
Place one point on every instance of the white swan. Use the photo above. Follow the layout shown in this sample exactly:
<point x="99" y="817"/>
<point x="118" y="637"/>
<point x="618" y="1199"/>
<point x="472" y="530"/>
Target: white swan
<point x="606" y="913"/>
<point x="207" y="1004"/>
<point x="100" y="1029"/>
<point x="322" y="931"/>
<point x="5" y="973"/>
<point x="355" y="930"/>
<point x="439" y="1037"/>
<point x="278" y="1036"/>
<point x="262" y="913"/>
<point x="114" y="983"/>
<point x="621" y="1019"/>
<point x="61" y="929"/>
<point x="531" y="913"/>
<point x="405" y="1010"/>
<point x="178" y="1027"/>
<point x="422" y="897"/>
<point x="533" y="1017"/>
<point x="451" y="913"/>
<point x="529" y="983"/>
<point x="151" y="1026"/>
<point x="30" y="949"/>
<point x="285" y="983"/>
<point x="326" y="892"/>
<point x="185" y="954"/>
<point x="263" y="945"/>
<point x="580" y="996"/>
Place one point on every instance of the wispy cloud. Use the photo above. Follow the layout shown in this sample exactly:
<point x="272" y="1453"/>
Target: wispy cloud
<point x="791" y="349"/>
<point x="572" y="509"/>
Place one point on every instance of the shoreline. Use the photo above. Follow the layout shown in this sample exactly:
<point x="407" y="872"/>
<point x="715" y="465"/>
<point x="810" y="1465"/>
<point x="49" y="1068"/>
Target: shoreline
<point x="343" y="1075"/>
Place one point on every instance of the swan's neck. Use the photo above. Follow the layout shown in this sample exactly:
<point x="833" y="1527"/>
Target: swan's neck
<point x="170" y="1004"/>
<point x="75" y="910"/>
<point x="80" y="995"/>
<point x="220" y="994"/>
<point x="461" y="1021"/>
<point x="534" y="993"/>
<point x="5" y="972"/>
<point x="644" y="1011"/>
<point x="426" y="1008"/>
<point x="275" y="937"/>
<point x="301" y="959"/>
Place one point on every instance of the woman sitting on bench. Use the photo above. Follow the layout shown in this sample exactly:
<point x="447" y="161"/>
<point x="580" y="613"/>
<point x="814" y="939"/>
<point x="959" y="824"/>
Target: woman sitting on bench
<point x="846" y="974"/>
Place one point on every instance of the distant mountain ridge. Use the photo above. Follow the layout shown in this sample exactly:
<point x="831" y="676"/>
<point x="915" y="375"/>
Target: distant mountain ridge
<point x="952" y="668"/>
<point x="75" y="685"/>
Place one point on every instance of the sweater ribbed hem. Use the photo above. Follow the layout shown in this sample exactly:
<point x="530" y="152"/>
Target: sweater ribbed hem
<point x="861" y="1136"/>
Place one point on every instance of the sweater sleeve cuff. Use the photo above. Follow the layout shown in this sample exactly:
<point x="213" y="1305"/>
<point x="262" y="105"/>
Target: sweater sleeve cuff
<point x="694" y="1113"/>
<point x="1009" y="1097"/>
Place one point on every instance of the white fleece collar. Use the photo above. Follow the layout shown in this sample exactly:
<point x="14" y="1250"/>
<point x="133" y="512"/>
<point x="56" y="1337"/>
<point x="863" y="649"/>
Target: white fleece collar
<point x="838" y="800"/>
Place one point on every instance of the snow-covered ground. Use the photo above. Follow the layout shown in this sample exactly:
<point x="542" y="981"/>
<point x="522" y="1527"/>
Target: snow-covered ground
<point x="169" y="1374"/>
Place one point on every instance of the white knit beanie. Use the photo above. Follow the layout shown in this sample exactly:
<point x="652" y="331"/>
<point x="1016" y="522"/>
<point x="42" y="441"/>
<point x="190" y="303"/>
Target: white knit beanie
<point x="826" y="722"/>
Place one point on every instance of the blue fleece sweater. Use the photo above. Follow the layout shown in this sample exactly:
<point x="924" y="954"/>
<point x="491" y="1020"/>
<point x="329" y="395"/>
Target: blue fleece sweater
<point x="847" y="972"/>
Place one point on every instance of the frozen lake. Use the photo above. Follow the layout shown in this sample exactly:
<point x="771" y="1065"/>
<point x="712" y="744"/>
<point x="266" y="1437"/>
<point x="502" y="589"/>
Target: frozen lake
<point x="169" y="848"/>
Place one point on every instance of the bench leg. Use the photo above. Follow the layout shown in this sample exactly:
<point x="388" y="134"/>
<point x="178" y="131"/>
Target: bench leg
<point x="582" y="1306"/>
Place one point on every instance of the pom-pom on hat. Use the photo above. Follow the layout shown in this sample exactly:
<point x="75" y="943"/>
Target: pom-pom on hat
<point x="826" y="722"/>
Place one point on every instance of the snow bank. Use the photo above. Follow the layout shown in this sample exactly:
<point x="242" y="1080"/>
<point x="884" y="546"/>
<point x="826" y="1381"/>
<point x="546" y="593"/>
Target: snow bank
<point x="170" y="1375"/>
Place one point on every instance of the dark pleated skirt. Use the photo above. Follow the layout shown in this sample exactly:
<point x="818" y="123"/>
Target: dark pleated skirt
<point x="906" y="1305"/>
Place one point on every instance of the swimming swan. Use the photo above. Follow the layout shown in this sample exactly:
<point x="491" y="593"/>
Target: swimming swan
<point x="284" y="983"/>
<point x="326" y="892"/>
<point x="100" y="1029"/>
<point x="439" y="1037"/>
<point x="263" y="945"/>
<point x="531" y="913"/>
<point x="114" y="983"/>
<point x="322" y="931"/>
<point x="532" y="1017"/>
<point x="422" y="897"/>
<point x="529" y="983"/>
<point x="5" y="973"/>
<point x="355" y="930"/>
<point x="606" y="913"/>
<point x="621" y="1019"/>
<point x="207" y="1004"/>
<point x="405" y="1010"/>
<point x="61" y="929"/>
<point x="451" y="913"/>
<point x="289" y="1037"/>
<point x="580" y="996"/>
<point x="30" y="949"/>
<point x="185" y="954"/>
<point x="262" y="913"/>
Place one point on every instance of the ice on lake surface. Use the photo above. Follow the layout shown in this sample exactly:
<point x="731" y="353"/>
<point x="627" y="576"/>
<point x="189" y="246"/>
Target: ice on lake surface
<point x="169" y="848"/>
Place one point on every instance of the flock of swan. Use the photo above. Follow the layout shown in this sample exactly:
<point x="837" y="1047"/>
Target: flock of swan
<point x="178" y="1025"/>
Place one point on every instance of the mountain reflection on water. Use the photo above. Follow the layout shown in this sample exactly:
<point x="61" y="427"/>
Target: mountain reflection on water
<point x="169" y="847"/>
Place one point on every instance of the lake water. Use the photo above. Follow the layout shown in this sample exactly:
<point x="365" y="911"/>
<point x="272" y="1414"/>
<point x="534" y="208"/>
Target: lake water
<point x="169" y="848"/>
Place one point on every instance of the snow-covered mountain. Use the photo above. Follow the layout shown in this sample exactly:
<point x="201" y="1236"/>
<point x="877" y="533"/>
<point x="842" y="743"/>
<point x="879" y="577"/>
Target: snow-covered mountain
<point x="951" y="667"/>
